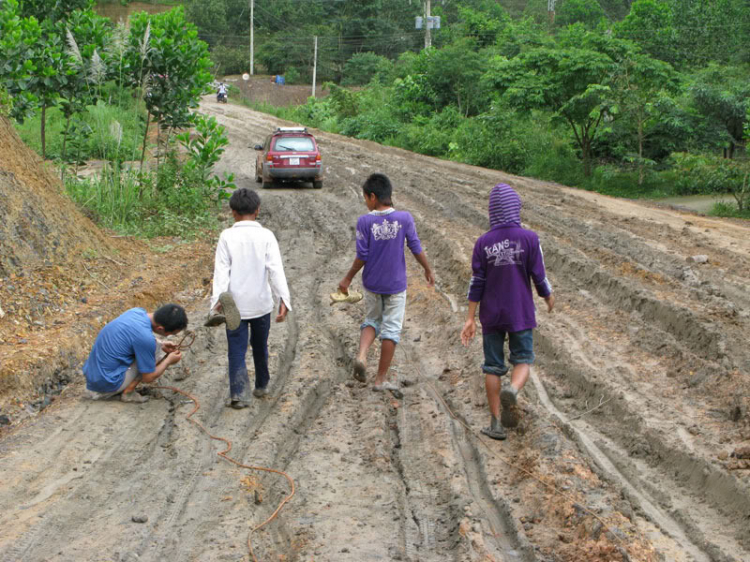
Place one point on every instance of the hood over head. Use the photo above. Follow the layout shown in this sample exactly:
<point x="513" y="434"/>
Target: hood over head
<point x="505" y="206"/>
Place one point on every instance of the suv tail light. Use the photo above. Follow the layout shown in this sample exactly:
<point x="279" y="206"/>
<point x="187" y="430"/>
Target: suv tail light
<point x="317" y="156"/>
<point x="269" y="158"/>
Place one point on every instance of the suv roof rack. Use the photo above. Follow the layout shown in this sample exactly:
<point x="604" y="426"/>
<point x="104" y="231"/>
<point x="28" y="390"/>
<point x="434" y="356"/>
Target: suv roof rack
<point x="291" y="129"/>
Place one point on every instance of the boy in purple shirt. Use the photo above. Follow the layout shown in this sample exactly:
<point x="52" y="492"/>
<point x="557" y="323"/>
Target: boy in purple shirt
<point x="380" y="250"/>
<point x="504" y="263"/>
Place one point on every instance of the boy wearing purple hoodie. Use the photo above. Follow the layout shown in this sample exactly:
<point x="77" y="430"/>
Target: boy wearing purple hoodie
<point x="504" y="263"/>
<point x="381" y="235"/>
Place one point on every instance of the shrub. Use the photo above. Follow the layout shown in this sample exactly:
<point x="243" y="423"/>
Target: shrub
<point x="363" y="68"/>
<point x="229" y="60"/>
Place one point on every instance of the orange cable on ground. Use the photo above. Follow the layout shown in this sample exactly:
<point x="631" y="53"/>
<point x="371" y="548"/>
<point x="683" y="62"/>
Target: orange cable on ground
<point x="224" y="454"/>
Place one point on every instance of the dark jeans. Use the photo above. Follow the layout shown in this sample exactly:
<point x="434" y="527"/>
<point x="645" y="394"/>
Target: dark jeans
<point x="521" y="345"/>
<point x="237" y="340"/>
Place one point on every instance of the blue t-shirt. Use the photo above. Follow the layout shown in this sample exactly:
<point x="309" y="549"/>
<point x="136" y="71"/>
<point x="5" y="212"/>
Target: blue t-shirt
<point x="126" y="340"/>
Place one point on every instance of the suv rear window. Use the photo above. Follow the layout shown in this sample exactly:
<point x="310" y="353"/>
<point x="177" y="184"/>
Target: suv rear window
<point x="293" y="144"/>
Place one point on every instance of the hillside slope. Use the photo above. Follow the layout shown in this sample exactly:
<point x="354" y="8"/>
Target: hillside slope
<point x="38" y="224"/>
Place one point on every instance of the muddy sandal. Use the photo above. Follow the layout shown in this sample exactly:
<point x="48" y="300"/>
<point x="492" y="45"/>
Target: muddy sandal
<point x="495" y="430"/>
<point x="214" y="320"/>
<point x="133" y="398"/>
<point x="360" y="371"/>
<point x="387" y="385"/>
<point x="230" y="311"/>
<point x="351" y="298"/>
<point x="509" y="417"/>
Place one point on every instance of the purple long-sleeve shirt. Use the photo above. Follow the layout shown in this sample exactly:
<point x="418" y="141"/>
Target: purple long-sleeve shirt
<point x="506" y="260"/>
<point x="380" y="244"/>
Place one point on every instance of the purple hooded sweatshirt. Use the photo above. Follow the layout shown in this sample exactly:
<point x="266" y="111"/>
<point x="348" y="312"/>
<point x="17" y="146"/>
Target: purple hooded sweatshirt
<point x="505" y="261"/>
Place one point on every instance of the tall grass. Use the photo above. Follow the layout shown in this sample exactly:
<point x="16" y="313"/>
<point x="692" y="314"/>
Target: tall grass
<point x="101" y="145"/>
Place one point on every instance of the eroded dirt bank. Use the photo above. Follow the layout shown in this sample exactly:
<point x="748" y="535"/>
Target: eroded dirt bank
<point x="638" y="398"/>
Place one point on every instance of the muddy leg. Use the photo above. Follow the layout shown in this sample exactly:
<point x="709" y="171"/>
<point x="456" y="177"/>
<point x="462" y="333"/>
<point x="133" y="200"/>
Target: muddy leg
<point x="366" y="337"/>
<point x="387" y="350"/>
<point x="519" y="375"/>
<point x="492" y="386"/>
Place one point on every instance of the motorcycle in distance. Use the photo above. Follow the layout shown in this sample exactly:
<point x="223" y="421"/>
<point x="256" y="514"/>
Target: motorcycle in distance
<point x="221" y="95"/>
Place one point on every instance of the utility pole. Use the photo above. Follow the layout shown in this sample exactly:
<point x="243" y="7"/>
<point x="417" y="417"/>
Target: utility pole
<point x="427" y="26"/>
<point x="252" y="39"/>
<point x="315" y="65"/>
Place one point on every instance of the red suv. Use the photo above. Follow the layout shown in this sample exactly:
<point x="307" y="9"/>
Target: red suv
<point x="289" y="154"/>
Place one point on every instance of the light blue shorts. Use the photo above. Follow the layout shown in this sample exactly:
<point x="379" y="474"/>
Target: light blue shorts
<point x="385" y="313"/>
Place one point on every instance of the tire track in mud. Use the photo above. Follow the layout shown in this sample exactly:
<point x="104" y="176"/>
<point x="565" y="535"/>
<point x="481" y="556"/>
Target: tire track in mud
<point x="425" y="537"/>
<point x="679" y="519"/>
<point x="404" y="481"/>
<point x="473" y="474"/>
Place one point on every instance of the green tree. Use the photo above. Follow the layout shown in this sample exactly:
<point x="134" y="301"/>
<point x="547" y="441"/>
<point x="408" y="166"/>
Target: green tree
<point x="362" y="68"/>
<point x="650" y="24"/>
<point x="640" y="81"/>
<point x="165" y="52"/>
<point x="88" y="37"/>
<point x="54" y="69"/>
<point x="722" y="94"/>
<point x="587" y="12"/>
<point x="570" y="82"/>
<point x="53" y="10"/>
<point x="19" y="38"/>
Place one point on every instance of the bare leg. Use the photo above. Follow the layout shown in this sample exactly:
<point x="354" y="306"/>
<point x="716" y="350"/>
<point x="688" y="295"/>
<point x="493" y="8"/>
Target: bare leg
<point x="520" y="375"/>
<point x="492" y="386"/>
<point x="131" y="387"/>
<point x="366" y="337"/>
<point x="387" y="350"/>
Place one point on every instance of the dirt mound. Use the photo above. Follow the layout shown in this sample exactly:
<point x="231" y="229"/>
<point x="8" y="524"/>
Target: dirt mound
<point x="62" y="278"/>
<point x="261" y="89"/>
<point x="38" y="225"/>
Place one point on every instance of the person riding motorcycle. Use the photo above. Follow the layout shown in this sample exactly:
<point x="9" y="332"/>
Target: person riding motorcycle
<point x="221" y="95"/>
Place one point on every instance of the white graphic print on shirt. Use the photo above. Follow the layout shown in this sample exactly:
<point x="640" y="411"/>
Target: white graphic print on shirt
<point x="386" y="230"/>
<point x="505" y="252"/>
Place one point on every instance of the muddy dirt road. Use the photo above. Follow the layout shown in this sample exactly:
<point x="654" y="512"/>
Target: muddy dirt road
<point x="638" y="400"/>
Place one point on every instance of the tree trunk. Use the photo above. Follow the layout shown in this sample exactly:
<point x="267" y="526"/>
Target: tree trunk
<point x="640" y="152"/>
<point x="585" y="148"/>
<point x="65" y="141"/>
<point x="43" y="132"/>
<point x="145" y="137"/>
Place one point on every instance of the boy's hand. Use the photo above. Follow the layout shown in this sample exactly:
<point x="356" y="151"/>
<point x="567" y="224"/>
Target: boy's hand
<point x="550" y="300"/>
<point x="283" y="310"/>
<point x="168" y="347"/>
<point x="344" y="285"/>
<point x="468" y="332"/>
<point x="217" y="309"/>
<point x="174" y="357"/>
<point x="430" y="277"/>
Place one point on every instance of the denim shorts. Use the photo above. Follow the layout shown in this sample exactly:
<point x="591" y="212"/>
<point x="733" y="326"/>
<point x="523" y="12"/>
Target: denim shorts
<point x="521" y="346"/>
<point x="385" y="313"/>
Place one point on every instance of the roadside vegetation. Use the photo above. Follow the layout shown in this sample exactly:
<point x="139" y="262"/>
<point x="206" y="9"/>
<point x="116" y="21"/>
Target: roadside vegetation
<point x="650" y="101"/>
<point x="81" y="89"/>
<point x="648" y="98"/>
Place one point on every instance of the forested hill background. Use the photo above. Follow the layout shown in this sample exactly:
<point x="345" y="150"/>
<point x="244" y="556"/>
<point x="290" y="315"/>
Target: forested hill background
<point x="642" y="98"/>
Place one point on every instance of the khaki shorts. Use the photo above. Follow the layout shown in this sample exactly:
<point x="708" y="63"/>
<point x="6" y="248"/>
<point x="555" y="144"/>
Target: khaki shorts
<point x="131" y="375"/>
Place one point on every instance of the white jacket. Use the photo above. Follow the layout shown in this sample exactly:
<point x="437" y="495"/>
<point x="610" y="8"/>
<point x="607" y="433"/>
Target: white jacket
<point x="248" y="264"/>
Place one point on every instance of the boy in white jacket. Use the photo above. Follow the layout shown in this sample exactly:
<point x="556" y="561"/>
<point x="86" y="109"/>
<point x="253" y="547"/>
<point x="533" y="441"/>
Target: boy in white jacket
<point x="248" y="273"/>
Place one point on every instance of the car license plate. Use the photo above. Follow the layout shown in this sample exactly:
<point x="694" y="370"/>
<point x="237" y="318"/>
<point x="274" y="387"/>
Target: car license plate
<point x="294" y="161"/>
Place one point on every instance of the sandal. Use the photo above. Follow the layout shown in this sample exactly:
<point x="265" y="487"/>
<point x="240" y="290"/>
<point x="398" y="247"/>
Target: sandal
<point x="495" y="430"/>
<point x="509" y="401"/>
<point x="351" y="298"/>
<point x="230" y="311"/>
